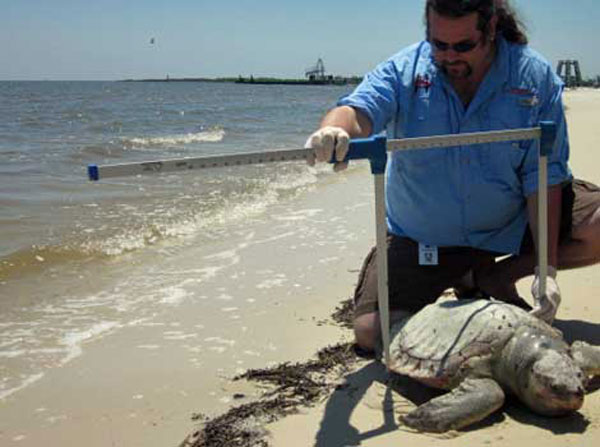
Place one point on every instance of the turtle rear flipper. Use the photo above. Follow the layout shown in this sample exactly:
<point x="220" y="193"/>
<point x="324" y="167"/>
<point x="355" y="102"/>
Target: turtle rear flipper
<point x="587" y="357"/>
<point x="471" y="401"/>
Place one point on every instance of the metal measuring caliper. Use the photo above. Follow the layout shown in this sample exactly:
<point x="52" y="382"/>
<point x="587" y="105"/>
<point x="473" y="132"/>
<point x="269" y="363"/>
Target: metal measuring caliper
<point x="375" y="150"/>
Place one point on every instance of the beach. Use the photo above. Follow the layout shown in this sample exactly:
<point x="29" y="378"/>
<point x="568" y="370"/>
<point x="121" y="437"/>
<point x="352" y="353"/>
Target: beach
<point x="174" y="322"/>
<point x="366" y="413"/>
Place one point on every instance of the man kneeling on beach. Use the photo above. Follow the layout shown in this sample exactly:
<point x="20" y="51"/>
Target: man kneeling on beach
<point x="465" y="206"/>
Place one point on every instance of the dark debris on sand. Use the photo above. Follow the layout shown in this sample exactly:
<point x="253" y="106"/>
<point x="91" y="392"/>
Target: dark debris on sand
<point x="342" y="314"/>
<point x="291" y="386"/>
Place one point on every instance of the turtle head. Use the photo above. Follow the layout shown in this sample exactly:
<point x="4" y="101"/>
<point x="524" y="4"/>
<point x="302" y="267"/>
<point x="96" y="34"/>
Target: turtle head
<point x="551" y="384"/>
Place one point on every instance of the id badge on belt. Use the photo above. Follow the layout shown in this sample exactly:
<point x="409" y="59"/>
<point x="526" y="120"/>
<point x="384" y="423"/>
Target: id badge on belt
<point x="428" y="254"/>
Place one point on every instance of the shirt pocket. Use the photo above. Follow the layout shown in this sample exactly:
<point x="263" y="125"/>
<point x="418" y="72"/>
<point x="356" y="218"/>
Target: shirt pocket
<point x="427" y="118"/>
<point x="502" y="162"/>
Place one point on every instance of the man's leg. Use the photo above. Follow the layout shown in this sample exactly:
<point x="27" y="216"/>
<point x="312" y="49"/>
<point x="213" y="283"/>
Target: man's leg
<point x="579" y="249"/>
<point x="367" y="327"/>
<point x="583" y="248"/>
<point x="366" y="317"/>
<point x="367" y="330"/>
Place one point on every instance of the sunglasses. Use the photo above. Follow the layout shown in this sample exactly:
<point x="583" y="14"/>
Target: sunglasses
<point x="461" y="47"/>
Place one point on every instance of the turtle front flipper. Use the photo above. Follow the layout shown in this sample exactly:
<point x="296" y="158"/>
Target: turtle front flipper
<point x="587" y="357"/>
<point x="471" y="401"/>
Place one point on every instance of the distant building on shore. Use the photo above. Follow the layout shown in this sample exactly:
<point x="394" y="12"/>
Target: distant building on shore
<point x="316" y="72"/>
<point x="314" y="75"/>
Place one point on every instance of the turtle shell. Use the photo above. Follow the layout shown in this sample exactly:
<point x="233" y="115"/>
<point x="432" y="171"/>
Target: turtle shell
<point x="449" y="340"/>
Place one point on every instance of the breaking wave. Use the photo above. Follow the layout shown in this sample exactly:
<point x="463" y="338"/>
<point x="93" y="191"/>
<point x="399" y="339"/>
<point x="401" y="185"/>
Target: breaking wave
<point x="207" y="136"/>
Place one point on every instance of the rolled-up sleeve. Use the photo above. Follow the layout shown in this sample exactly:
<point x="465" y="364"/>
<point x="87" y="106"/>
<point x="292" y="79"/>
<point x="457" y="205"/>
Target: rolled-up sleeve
<point x="376" y="96"/>
<point x="558" y="170"/>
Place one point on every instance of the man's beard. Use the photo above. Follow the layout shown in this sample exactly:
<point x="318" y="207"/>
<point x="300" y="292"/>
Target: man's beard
<point x="456" y="70"/>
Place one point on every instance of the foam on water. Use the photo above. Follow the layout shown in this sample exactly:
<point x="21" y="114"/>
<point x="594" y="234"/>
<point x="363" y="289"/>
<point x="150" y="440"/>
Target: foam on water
<point x="272" y="282"/>
<point x="73" y="340"/>
<point x="25" y="382"/>
<point x="178" y="335"/>
<point x="209" y="136"/>
<point x="174" y="295"/>
<point x="110" y="230"/>
<point x="53" y="333"/>
<point x="38" y="353"/>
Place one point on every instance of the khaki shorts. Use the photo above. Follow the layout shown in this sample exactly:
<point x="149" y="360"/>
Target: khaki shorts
<point x="412" y="286"/>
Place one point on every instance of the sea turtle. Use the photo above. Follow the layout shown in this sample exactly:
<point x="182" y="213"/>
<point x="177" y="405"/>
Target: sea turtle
<point x="479" y="350"/>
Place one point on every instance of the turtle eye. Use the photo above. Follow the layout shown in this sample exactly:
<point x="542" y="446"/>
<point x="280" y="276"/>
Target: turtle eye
<point x="543" y="344"/>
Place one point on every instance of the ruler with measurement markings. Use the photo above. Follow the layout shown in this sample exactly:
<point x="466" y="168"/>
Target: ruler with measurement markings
<point x="359" y="149"/>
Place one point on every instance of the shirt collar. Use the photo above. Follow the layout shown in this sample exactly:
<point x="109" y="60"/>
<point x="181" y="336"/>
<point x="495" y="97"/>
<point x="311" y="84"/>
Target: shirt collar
<point x="498" y="73"/>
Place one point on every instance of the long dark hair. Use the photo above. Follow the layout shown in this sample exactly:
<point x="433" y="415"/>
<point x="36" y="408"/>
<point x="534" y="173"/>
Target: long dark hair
<point x="508" y="24"/>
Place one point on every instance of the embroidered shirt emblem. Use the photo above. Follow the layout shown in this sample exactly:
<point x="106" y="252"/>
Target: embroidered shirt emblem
<point x="422" y="82"/>
<point x="528" y="98"/>
<point x="530" y="102"/>
<point x="520" y="91"/>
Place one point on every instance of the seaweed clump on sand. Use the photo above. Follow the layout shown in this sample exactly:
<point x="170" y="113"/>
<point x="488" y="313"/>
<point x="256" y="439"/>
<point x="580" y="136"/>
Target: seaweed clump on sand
<point x="342" y="314"/>
<point x="291" y="386"/>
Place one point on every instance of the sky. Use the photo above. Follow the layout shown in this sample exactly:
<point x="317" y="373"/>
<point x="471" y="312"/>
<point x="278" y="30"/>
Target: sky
<point x="112" y="39"/>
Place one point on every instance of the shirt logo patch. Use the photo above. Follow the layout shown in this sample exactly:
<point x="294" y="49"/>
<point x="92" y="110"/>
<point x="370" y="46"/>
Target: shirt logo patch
<point x="422" y="82"/>
<point x="520" y="91"/>
<point x="529" y="102"/>
<point x="527" y="98"/>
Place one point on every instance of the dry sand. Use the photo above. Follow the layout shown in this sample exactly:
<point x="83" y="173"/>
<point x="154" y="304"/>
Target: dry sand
<point x="366" y="413"/>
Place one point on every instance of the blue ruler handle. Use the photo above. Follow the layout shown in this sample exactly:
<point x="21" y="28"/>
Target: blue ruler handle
<point x="373" y="149"/>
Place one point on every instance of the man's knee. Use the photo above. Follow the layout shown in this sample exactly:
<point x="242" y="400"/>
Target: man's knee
<point x="589" y="233"/>
<point x="593" y="233"/>
<point x="367" y="330"/>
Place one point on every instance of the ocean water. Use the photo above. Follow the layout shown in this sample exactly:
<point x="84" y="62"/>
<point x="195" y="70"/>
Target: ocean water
<point x="79" y="259"/>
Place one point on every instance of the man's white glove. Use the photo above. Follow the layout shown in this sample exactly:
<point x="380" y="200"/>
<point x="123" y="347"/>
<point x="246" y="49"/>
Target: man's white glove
<point x="545" y="307"/>
<point x="326" y="142"/>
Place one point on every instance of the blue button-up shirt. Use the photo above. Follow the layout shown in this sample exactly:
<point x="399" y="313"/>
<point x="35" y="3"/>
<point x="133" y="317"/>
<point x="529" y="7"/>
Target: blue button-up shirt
<point x="464" y="195"/>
